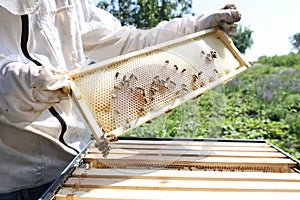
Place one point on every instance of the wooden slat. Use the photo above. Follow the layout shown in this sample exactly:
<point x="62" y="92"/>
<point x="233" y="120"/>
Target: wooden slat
<point x="128" y="194"/>
<point x="190" y="163"/>
<point x="193" y="143"/>
<point x="163" y="152"/>
<point x="185" y="175"/>
<point x="184" y="185"/>
<point x="199" y="148"/>
<point x="182" y="159"/>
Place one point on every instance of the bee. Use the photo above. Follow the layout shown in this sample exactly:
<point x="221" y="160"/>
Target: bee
<point x="139" y="88"/>
<point x="125" y="82"/>
<point x="153" y="91"/>
<point x="117" y="87"/>
<point x="173" y="83"/>
<point x="167" y="61"/>
<point x="143" y="91"/>
<point x="183" y="70"/>
<point x="133" y="76"/>
<point x="124" y="78"/>
<point x="212" y="79"/>
<point x="112" y="137"/>
<point x="156" y="79"/>
<point x="202" y="84"/>
<point x="200" y="80"/>
<point x="127" y="125"/>
<point x="117" y="74"/>
<point x="176" y="67"/>
<point x="213" y="54"/>
<point x="142" y="109"/>
<point x="185" y="89"/>
<point x="208" y="56"/>
<point x="216" y="71"/>
<point x="194" y="78"/>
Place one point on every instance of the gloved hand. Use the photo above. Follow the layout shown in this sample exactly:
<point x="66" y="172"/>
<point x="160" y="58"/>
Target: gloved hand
<point x="50" y="85"/>
<point x="225" y="19"/>
<point x="27" y="90"/>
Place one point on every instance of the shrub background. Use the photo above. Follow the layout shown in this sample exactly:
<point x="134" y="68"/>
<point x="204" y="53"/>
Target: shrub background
<point x="261" y="103"/>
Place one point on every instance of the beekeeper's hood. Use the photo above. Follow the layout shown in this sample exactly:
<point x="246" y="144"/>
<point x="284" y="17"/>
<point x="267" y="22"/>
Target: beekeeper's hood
<point x="20" y="7"/>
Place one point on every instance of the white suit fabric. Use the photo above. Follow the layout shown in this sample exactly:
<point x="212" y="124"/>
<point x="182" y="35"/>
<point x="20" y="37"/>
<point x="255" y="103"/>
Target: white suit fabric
<point x="40" y="129"/>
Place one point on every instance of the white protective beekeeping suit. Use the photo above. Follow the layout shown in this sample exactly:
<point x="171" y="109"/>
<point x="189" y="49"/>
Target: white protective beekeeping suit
<point x="40" y="130"/>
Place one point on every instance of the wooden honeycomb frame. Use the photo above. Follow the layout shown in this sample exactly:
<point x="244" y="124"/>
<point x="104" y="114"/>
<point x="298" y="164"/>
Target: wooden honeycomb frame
<point x="120" y="94"/>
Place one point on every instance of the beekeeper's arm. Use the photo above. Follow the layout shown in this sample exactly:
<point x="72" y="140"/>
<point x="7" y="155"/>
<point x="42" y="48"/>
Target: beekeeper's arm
<point x="26" y="90"/>
<point x="104" y="37"/>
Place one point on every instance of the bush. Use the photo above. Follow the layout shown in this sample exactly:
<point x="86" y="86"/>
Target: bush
<point x="261" y="103"/>
<point x="289" y="60"/>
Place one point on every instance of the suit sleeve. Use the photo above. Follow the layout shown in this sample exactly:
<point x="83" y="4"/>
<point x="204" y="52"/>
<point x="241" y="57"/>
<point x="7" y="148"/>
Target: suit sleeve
<point x="104" y="37"/>
<point x="26" y="90"/>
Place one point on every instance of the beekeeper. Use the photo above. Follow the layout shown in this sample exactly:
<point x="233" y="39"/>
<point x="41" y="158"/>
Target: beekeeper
<point x="40" y="130"/>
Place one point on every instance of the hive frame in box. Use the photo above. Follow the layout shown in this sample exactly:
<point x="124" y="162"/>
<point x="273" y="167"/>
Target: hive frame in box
<point x="133" y="94"/>
<point x="273" y="170"/>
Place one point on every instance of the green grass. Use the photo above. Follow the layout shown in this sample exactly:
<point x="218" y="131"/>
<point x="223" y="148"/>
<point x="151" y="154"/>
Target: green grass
<point x="261" y="103"/>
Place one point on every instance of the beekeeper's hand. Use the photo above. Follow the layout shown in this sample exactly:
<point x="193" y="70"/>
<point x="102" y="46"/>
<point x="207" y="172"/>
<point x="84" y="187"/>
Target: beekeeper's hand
<point x="226" y="19"/>
<point x="26" y="90"/>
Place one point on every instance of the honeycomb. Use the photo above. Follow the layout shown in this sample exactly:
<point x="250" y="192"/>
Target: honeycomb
<point x="132" y="90"/>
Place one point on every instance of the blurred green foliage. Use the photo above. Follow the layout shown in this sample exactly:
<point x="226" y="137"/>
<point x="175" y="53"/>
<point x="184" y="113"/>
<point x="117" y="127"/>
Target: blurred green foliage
<point x="261" y="103"/>
<point x="295" y="41"/>
<point x="290" y="60"/>
<point x="243" y="39"/>
<point x="146" y="13"/>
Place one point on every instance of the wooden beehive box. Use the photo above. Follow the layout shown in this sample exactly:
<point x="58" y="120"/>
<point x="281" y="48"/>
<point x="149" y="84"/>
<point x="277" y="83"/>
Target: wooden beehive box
<point x="121" y="94"/>
<point x="177" y="169"/>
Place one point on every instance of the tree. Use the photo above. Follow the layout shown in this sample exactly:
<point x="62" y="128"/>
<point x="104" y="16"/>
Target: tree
<point x="295" y="41"/>
<point x="146" y="13"/>
<point x="243" y="40"/>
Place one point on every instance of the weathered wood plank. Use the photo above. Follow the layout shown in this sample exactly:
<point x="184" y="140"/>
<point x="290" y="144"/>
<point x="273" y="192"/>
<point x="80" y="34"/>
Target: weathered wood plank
<point x="193" y="143"/>
<point x="118" y="194"/>
<point x="184" y="147"/>
<point x="185" y="175"/>
<point x="212" y="153"/>
<point x="183" y="185"/>
<point x="182" y="159"/>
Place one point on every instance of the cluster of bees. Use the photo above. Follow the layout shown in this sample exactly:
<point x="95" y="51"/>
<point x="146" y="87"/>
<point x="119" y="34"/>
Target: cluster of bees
<point x="159" y="86"/>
